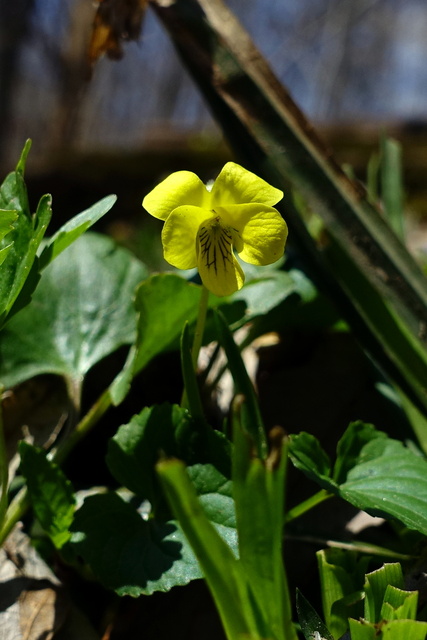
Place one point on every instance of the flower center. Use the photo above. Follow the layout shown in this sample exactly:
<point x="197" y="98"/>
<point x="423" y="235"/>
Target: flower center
<point x="214" y="245"/>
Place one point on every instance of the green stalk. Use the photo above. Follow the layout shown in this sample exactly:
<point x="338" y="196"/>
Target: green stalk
<point x="4" y="469"/>
<point x="302" y="508"/>
<point x="15" y="512"/>
<point x="200" y="326"/>
<point x="198" y="337"/>
<point x="85" y="425"/>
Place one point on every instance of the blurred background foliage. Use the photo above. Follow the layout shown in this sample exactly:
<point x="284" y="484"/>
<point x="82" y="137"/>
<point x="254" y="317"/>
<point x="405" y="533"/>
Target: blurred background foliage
<point x="354" y="67"/>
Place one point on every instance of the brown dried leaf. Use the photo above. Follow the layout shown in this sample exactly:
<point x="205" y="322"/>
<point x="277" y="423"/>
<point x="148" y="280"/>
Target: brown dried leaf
<point x="33" y="604"/>
<point x="116" y="21"/>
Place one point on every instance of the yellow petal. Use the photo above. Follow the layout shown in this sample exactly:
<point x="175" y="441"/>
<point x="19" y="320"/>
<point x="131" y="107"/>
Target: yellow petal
<point x="180" y="188"/>
<point x="236" y="185"/>
<point x="219" y="270"/>
<point x="260" y="232"/>
<point x="179" y="236"/>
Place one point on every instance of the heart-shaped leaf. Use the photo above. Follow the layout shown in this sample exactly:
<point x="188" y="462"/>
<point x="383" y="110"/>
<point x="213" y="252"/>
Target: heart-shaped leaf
<point x="380" y="475"/>
<point x="82" y="311"/>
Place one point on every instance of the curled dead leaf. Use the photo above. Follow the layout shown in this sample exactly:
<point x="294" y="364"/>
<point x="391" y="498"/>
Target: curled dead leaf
<point x="116" y="21"/>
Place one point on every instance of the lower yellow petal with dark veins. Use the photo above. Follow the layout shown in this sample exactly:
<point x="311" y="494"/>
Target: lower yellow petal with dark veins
<point x="219" y="270"/>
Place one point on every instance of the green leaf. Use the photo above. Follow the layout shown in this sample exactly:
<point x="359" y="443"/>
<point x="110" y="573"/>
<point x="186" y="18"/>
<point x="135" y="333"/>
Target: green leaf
<point x="132" y="453"/>
<point x="387" y="478"/>
<point x="131" y="555"/>
<point x="73" y="229"/>
<point x="26" y="236"/>
<point x="51" y="494"/>
<point x="308" y="456"/>
<point x="392" y="184"/>
<point x="134" y="556"/>
<point x="310" y="621"/>
<point x="375" y="587"/>
<point x="164" y="303"/>
<point x="389" y="611"/>
<point x="268" y="290"/>
<point x="6" y="220"/>
<point x="390" y="480"/>
<point x="18" y="257"/>
<point x="342" y="575"/>
<point x="222" y="571"/>
<point x="399" y="604"/>
<point x="250" y="411"/>
<point x="258" y="490"/>
<point x="81" y="312"/>
<point x="350" y="447"/>
<point x="164" y="430"/>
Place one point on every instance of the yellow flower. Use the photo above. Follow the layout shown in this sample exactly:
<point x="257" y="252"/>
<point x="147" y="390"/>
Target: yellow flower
<point x="204" y="227"/>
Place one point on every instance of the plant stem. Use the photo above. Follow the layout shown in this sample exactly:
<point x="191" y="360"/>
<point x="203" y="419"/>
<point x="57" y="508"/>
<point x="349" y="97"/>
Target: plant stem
<point x="200" y="325"/>
<point x="16" y="510"/>
<point x="306" y="505"/>
<point x="4" y="471"/>
<point x="198" y="336"/>
<point x="84" y="426"/>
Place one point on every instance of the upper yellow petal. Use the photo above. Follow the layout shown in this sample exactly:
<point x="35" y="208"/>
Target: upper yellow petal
<point x="236" y="185"/>
<point x="178" y="189"/>
<point x="259" y="232"/>
<point x="179" y="236"/>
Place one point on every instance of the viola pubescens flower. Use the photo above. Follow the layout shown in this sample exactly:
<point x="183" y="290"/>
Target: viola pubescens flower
<point x="204" y="227"/>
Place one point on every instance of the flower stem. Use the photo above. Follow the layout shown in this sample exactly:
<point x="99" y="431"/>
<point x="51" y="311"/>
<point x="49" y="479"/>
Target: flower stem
<point x="198" y="336"/>
<point x="84" y="426"/>
<point x="308" y="504"/>
<point x="4" y="471"/>
<point x="15" y="512"/>
<point x="200" y="325"/>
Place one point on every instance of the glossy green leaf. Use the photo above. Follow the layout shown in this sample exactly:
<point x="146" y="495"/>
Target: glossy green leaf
<point x="163" y="558"/>
<point x="375" y="586"/>
<point x="26" y="236"/>
<point x="307" y="455"/>
<point x="342" y="575"/>
<point x="399" y="604"/>
<point x="392" y="184"/>
<point x="6" y="220"/>
<point x="164" y="430"/>
<point x="387" y="479"/>
<point x="73" y="229"/>
<point x="258" y="490"/>
<point x="222" y="571"/>
<point x="310" y="621"/>
<point x="134" y="555"/>
<point x="164" y="303"/>
<point x="81" y="311"/>
<point x="127" y="553"/>
<point x="51" y="494"/>
<point x="389" y="610"/>
<point x="250" y="412"/>
<point x="132" y="453"/>
<point x="350" y="446"/>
